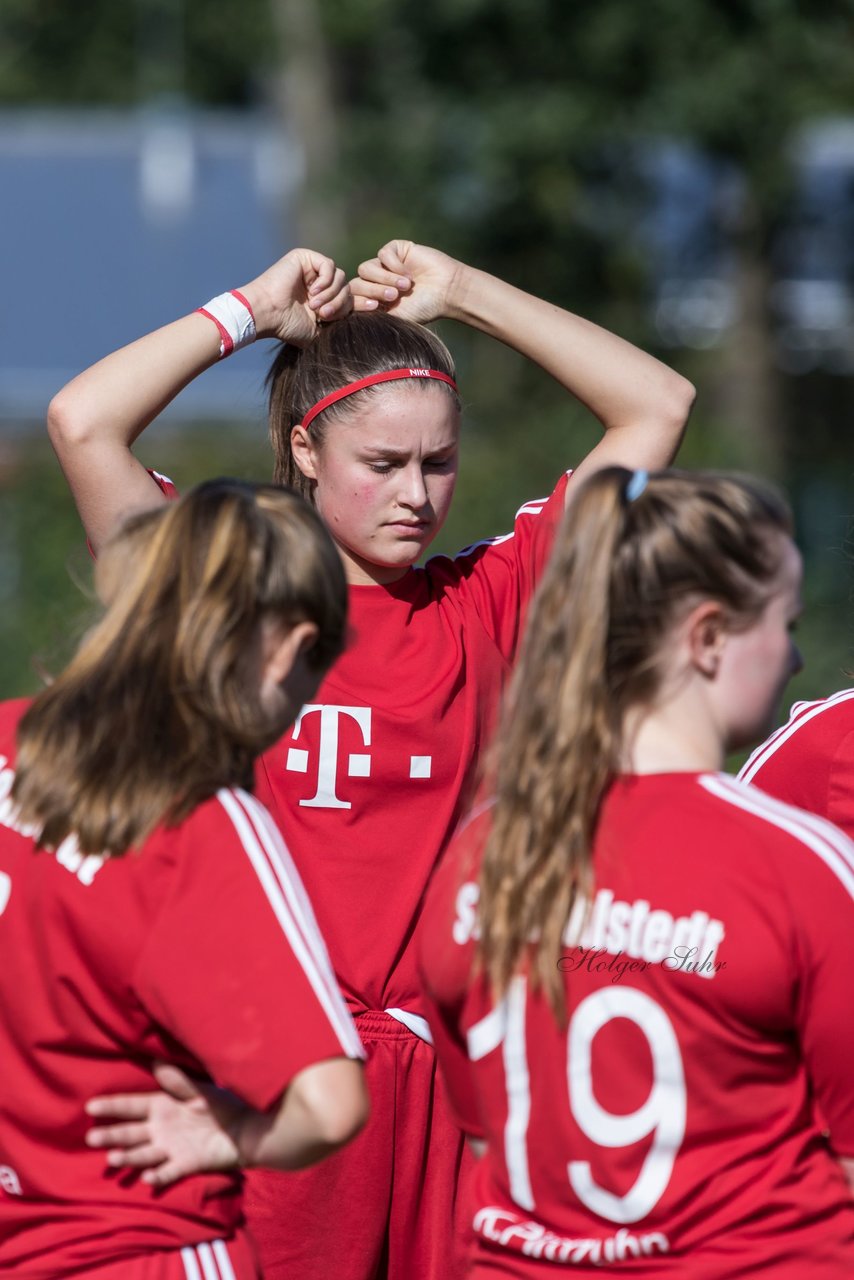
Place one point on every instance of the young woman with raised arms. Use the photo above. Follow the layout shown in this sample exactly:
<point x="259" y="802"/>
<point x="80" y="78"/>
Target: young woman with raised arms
<point x="372" y="780"/>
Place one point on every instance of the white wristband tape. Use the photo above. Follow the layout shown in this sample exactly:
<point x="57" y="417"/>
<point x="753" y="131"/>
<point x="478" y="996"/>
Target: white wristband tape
<point x="232" y="315"/>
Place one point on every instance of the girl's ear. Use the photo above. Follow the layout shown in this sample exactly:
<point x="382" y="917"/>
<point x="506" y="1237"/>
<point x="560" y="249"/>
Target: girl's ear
<point x="706" y="632"/>
<point x="304" y="453"/>
<point x="283" y="646"/>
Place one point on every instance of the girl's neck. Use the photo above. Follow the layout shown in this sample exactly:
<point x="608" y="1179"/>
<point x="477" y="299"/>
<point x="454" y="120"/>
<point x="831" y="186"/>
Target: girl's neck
<point x="677" y="737"/>
<point x="374" y="575"/>
<point x="361" y="573"/>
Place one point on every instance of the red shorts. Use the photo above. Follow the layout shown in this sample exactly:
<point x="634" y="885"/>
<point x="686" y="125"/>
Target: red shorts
<point x="217" y="1260"/>
<point x="385" y="1207"/>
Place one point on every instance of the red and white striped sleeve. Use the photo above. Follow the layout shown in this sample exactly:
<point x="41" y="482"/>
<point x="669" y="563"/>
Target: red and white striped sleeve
<point x="235" y="967"/>
<point x="165" y="485"/>
<point x="814" y="865"/>
<point x="809" y="761"/>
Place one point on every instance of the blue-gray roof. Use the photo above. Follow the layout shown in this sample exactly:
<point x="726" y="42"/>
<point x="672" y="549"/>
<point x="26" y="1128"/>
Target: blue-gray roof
<point x="114" y="223"/>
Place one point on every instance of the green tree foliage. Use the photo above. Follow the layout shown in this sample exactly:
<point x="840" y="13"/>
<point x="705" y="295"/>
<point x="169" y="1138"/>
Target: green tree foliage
<point x="102" y="52"/>
<point x="488" y="114"/>
<point x="507" y="129"/>
<point x="482" y="123"/>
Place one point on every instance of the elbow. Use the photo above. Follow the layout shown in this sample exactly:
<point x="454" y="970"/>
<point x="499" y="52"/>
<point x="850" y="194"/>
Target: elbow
<point x="340" y="1127"/>
<point x="671" y="419"/>
<point x="66" y="427"/>
<point x="685" y="393"/>
<point x="336" y="1101"/>
<point x="680" y="401"/>
<point x="687" y="396"/>
<point x="340" y="1118"/>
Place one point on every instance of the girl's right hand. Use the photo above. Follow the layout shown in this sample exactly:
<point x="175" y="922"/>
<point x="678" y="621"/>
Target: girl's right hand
<point x="185" y="1128"/>
<point x="292" y="297"/>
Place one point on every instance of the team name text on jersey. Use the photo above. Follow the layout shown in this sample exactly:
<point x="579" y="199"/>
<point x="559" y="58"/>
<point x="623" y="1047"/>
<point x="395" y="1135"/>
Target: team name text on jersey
<point x="536" y="1241"/>
<point x="683" y="944"/>
<point x="68" y="855"/>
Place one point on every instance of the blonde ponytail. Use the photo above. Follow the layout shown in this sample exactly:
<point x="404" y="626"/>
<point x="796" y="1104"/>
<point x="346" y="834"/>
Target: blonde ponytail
<point x="621" y="572"/>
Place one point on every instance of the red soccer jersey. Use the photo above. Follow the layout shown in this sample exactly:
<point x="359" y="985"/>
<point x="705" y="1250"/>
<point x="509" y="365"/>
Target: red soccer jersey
<point x="810" y="761"/>
<point x="668" y="1130"/>
<point x="200" y="949"/>
<point x="372" y="780"/>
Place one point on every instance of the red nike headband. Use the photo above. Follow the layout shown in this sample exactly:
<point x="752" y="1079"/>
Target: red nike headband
<point x="390" y="375"/>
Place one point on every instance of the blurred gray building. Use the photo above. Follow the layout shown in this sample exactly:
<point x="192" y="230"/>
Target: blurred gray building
<point x="694" y="202"/>
<point x="112" y="224"/>
<point x="813" y="297"/>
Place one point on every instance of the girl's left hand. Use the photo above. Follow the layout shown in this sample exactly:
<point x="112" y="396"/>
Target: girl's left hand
<point x="292" y="296"/>
<point x="409" y="280"/>
<point x="187" y="1128"/>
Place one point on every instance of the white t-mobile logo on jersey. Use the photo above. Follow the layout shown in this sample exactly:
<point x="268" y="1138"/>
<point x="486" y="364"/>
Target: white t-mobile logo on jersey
<point x="358" y="763"/>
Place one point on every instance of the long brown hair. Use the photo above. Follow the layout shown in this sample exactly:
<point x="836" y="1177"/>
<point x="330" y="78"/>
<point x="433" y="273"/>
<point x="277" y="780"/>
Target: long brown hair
<point x="343" y="352"/>
<point x="159" y="707"/>
<point x="622" y="573"/>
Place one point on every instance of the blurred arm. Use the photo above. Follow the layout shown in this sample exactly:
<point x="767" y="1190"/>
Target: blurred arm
<point x="188" y="1128"/>
<point x="323" y="1108"/>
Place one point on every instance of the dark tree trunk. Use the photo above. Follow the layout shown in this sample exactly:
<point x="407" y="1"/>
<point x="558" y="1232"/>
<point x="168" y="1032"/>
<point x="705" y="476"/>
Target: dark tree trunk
<point x="305" y="100"/>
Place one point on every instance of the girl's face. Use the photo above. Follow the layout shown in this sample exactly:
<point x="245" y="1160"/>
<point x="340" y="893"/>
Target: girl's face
<point x="385" y="478"/>
<point x="756" y="664"/>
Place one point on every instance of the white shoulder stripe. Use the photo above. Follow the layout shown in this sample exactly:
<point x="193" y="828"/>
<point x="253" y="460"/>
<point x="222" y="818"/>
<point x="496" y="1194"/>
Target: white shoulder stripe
<point x="293" y="888"/>
<point x="288" y="876"/>
<point x="305" y="942"/>
<point x="801" y="714"/>
<point x="534" y="507"/>
<point x="295" y="891"/>
<point x="822" y="828"/>
<point x="531" y="508"/>
<point x="802" y="818"/>
<point x="484" y="542"/>
<point x="826" y="841"/>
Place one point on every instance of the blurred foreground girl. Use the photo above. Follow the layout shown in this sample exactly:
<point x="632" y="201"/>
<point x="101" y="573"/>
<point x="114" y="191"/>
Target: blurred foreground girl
<point x="149" y="911"/>
<point x="637" y="967"/>
<point x="373" y="778"/>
